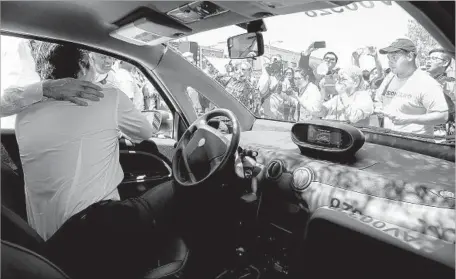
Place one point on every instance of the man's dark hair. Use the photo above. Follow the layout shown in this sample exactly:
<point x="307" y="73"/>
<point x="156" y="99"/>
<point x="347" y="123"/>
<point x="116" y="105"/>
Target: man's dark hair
<point x="305" y="74"/>
<point x="331" y="53"/>
<point x="55" y="61"/>
<point x="449" y="52"/>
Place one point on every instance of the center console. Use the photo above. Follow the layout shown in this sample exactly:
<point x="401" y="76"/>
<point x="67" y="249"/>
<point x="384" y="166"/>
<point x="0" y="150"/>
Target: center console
<point x="271" y="230"/>
<point x="281" y="229"/>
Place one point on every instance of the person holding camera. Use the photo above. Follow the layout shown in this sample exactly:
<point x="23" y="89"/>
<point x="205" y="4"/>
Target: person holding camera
<point x="375" y="74"/>
<point x="307" y="96"/>
<point x="326" y="72"/>
<point x="239" y="85"/>
<point x="270" y="99"/>
<point x="287" y="89"/>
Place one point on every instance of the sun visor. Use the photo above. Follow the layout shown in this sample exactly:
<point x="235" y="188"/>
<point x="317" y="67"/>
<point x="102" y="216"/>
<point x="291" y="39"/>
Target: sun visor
<point x="145" y="26"/>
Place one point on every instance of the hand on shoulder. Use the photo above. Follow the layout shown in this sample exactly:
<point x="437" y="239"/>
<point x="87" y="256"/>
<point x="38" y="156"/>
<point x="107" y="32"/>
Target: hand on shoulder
<point x="73" y="90"/>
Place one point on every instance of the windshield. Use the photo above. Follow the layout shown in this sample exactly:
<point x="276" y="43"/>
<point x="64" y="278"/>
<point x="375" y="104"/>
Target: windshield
<point x="367" y="63"/>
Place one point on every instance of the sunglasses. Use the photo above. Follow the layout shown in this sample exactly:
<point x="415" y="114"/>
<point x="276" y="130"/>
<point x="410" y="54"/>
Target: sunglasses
<point x="329" y="59"/>
<point x="433" y="58"/>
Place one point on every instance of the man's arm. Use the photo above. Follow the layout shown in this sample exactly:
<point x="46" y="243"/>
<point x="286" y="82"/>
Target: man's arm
<point x="356" y="57"/>
<point x="304" y="62"/>
<point x="131" y="122"/>
<point x="433" y="118"/>
<point x="16" y="98"/>
<point x="436" y="107"/>
<point x="379" y="67"/>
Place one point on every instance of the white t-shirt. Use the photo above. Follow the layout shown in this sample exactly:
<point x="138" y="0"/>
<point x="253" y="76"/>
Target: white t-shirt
<point x="416" y="95"/>
<point x="70" y="154"/>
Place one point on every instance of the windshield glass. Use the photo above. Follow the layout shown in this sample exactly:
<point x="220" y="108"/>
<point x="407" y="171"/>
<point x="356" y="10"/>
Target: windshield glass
<point x="367" y="63"/>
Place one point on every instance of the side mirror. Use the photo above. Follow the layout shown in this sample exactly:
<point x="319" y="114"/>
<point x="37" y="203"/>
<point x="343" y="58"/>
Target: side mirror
<point x="247" y="45"/>
<point x="161" y="121"/>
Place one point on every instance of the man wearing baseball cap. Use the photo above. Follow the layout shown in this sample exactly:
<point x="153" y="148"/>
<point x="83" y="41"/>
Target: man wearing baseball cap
<point x="410" y="100"/>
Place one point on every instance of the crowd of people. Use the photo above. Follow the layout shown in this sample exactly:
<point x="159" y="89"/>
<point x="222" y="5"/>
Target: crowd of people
<point x="401" y="97"/>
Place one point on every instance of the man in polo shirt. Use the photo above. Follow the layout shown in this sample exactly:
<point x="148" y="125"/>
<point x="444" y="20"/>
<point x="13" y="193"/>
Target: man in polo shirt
<point x="410" y="99"/>
<point x="437" y="65"/>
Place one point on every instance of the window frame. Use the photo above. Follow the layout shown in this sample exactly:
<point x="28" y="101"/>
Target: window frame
<point x="148" y="74"/>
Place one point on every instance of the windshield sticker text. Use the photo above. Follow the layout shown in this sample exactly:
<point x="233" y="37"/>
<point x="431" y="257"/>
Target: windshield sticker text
<point x="336" y="203"/>
<point x="418" y="241"/>
<point x="349" y="7"/>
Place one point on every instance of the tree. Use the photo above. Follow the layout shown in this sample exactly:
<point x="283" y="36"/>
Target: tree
<point x="423" y="41"/>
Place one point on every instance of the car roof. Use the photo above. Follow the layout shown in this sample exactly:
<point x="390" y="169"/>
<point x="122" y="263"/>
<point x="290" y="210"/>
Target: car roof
<point x="90" y="22"/>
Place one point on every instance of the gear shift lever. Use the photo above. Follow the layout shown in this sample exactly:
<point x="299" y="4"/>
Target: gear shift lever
<point x="251" y="170"/>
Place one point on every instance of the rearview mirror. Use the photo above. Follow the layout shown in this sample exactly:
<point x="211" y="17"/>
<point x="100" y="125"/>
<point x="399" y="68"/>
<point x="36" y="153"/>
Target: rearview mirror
<point x="247" y="45"/>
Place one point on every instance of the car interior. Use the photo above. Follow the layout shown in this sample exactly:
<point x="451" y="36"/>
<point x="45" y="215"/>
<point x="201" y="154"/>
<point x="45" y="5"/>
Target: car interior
<point x="275" y="224"/>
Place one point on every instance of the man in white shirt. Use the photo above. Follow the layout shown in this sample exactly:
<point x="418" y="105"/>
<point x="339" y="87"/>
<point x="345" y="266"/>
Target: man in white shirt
<point x="127" y="84"/>
<point x="70" y="158"/>
<point x="410" y="99"/>
<point x="352" y="103"/>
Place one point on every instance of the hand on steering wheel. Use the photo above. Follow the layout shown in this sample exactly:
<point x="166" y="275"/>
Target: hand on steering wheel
<point x="204" y="149"/>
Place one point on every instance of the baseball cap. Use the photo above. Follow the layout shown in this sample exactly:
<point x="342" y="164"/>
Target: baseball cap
<point x="399" y="44"/>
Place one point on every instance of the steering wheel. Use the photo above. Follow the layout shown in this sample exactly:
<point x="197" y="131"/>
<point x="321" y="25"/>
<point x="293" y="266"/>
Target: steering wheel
<point x="203" y="150"/>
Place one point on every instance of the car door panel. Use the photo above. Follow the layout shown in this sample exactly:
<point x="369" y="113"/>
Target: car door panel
<point x="144" y="167"/>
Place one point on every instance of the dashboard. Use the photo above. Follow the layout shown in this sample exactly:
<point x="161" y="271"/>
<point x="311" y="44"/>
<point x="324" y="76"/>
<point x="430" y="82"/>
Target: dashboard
<point x="401" y="198"/>
<point x="411" y="191"/>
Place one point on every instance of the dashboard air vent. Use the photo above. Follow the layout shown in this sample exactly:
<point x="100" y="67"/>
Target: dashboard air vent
<point x="274" y="170"/>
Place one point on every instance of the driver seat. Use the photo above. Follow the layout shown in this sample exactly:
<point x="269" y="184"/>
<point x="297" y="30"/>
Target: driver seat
<point x="23" y="253"/>
<point x="23" y="250"/>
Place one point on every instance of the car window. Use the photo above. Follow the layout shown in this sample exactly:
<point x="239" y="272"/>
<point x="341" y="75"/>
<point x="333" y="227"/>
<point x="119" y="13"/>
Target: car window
<point x="301" y="74"/>
<point x="192" y="52"/>
<point x="18" y="69"/>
